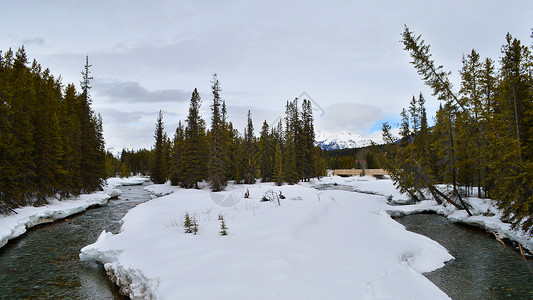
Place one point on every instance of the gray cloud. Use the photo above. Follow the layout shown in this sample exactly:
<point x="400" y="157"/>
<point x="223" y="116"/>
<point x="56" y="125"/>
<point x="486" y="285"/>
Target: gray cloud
<point x="33" y="41"/>
<point x="266" y="52"/>
<point x="111" y="115"/>
<point x="349" y="116"/>
<point x="133" y="92"/>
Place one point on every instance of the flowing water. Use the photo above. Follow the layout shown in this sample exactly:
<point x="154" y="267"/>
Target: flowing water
<point x="44" y="264"/>
<point x="482" y="269"/>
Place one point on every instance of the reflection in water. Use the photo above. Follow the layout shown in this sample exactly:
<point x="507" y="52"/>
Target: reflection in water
<point x="482" y="268"/>
<point x="44" y="262"/>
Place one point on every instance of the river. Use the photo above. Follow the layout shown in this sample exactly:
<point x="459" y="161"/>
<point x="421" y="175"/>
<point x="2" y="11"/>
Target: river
<point x="482" y="269"/>
<point x="44" y="263"/>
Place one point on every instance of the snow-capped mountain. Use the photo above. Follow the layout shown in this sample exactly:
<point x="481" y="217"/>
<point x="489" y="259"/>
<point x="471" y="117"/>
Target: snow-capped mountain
<point x="116" y="152"/>
<point x="341" y="140"/>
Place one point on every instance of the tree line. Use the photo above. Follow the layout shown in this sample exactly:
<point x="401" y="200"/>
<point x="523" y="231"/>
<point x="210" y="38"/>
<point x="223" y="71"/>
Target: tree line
<point x="482" y="140"/>
<point x="129" y="162"/>
<point x="282" y="153"/>
<point x="354" y="158"/>
<point x="51" y="141"/>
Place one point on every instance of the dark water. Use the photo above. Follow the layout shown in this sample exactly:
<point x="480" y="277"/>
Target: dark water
<point x="44" y="264"/>
<point x="482" y="269"/>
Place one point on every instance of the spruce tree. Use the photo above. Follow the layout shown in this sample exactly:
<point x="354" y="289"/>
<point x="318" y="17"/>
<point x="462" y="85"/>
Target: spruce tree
<point x="250" y="150"/>
<point x="177" y="163"/>
<point x="158" y="172"/>
<point x="308" y="141"/>
<point x="290" y="171"/>
<point x="266" y="148"/>
<point x="217" y="147"/>
<point x="71" y="180"/>
<point x="41" y="135"/>
<point x="194" y="152"/>
<point x="278" y="166"/>
<point x="92" y="155"/>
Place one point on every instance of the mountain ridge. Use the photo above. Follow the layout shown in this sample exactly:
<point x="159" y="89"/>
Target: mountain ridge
<point x="342" y="140"/>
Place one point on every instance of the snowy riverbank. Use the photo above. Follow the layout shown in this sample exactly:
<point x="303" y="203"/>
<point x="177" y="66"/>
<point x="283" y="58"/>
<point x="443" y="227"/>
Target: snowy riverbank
<point x="318" y="244"/>
<point x="485" y="215"/>
<point x="14" y="225"/>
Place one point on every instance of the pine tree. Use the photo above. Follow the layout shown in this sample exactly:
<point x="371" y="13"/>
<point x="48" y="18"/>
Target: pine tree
<point x="513" y="185"/>
<point x="194" y="151"/>
<point x="491" y="115"/>
<point x="266" y="148"/>
<point x="308" y="141"/>
<point x="223" y="227"/>
<point x="158" y="172"/>
<point x="250" y="150"/>
<point x="278" y="166"/>
<point x="47" y="137"/>
<point x="41" y="135"/>
<point x="92" y="155"/>
<point x="177" y="163"/>
<point x="71" y="182"/>
<point x="217" y="147"/>
<point x="470" y="138"/>
<point x="232" y="165"/>
<point x="290" y="171"/>
<point x="24" y="98"/>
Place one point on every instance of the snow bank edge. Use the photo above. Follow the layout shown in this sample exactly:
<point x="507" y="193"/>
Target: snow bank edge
<point x="52" y="212"/>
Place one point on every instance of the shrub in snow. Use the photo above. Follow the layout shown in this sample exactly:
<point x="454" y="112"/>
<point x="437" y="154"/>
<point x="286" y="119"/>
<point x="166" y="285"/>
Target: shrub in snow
<point x="223" y="227"/>
<point x="194" y="226"/>
<point x="271" y="196"/>
<point x="190" y="224"/>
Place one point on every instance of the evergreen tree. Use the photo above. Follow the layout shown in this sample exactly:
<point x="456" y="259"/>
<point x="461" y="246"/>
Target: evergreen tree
<point x="158" y="173"/>
<point x="177" y="157"/>
<point x="41" y="135"/>
<point x="308" y="141"/>
<point x="492" y="115"/>
<point x="250" y="151"/>
<point x="217" y="147"/>
<point x="266" y="147"/>
<point x="278" y="166"/>
<point x="194" y="151"/>
<point x="24" y="98"/>
<point x="92" y="155"/>
<point x="71" y="129"/>
<point x="290" y="171"/>
<point x="513" y="121"/>
<point x="470" y="139"/>
<point x="231" y="166"/>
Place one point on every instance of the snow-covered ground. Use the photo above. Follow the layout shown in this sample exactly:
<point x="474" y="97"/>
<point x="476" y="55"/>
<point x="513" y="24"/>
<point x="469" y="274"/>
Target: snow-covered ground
<point x="14" y="225"/>
<point x="318" y="244"/>
<point x="485" y="214"/>
<point x="135" y="180"/>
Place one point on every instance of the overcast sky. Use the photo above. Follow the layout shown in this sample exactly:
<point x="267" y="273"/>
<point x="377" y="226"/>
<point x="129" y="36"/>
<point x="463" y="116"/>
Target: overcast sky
<point x="345" y="55"/>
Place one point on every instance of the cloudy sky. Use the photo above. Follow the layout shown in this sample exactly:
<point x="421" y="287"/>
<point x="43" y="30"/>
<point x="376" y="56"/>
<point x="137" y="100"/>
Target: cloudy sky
<point x="344" y="55"/>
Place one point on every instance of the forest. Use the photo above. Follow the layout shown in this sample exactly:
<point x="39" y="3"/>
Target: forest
<point x="481" y="143"/>
<point x="51" y="141"/>
<point x="283" y="152"/>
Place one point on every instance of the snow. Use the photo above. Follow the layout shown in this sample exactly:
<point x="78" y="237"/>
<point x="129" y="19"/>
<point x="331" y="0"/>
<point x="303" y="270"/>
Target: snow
<point x="342" y="140"/>
<point x="14" y="225"/>
<point x="318" y="244"/>
<point x="485" y="213"/>
<point x="118" y="181"/>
